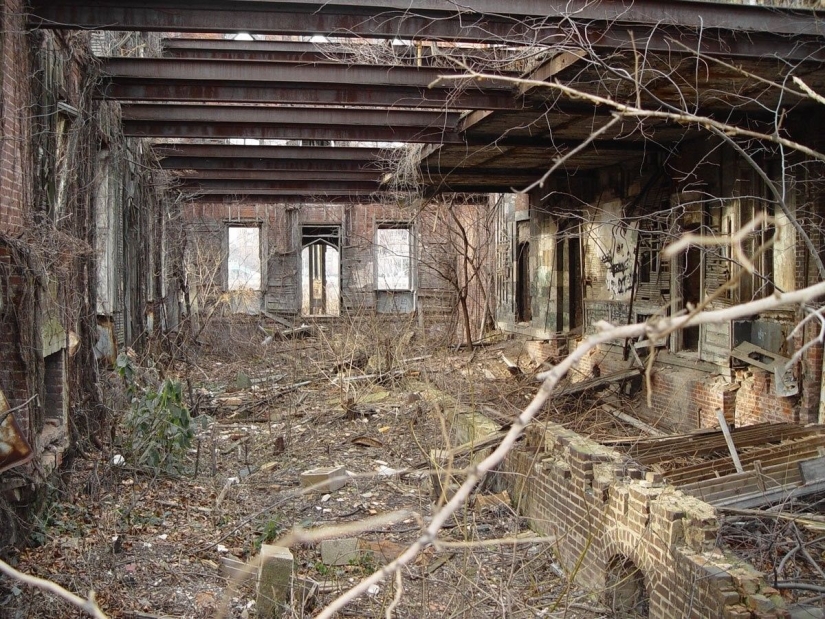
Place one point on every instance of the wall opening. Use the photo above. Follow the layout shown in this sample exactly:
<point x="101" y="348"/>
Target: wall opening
<point x="524" y="310"/>
<point x="692" y="288"/>
<point x="393" y="269"/>
<point x="625" y="591"/>
<point x="243" y="258"/>
<point x="54" y="380"/>
<point x="321" y="271"/>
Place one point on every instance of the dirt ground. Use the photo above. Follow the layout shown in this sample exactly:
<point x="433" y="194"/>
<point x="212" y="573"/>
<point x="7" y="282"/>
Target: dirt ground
<point x="156" y="545"/>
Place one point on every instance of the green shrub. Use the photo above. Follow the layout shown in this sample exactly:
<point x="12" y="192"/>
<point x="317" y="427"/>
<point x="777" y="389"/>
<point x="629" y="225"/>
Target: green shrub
<point x="157" y="424"/>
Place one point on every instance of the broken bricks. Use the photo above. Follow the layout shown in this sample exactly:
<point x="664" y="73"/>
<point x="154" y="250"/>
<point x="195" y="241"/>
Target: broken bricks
<point x="325" y="479"/>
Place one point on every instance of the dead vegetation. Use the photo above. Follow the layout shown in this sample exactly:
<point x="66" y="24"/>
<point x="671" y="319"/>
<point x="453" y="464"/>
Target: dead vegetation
<point x="161" y="545"/>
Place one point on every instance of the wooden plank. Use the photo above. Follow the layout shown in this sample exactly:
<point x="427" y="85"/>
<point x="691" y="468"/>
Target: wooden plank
<point x="720" y="416"/>
<point x="636" y="423"/>
<point x="780" y="495"/>
<point x="597" y="382"/>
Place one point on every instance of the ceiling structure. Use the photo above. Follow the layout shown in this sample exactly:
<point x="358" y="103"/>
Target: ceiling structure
<point x="473" y="134"/>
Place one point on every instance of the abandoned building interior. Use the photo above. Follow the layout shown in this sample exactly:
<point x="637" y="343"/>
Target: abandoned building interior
<point x="525" y="296"/>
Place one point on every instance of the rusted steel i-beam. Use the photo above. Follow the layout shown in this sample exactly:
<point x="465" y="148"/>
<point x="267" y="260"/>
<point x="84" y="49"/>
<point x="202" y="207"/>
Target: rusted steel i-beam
<point x="359" y="125"/>
<point x="413" y="18"/>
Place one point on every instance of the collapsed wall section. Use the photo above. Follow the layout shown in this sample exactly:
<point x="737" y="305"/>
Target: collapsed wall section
<point x="642" y="546"/>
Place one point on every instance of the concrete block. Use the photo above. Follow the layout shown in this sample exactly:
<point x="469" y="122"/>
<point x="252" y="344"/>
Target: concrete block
<point x="330" y="478"/>
<point x="274" y="580"/>
<point x="339" y="551"/>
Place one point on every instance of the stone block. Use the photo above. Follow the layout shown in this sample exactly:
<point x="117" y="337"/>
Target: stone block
<point x="339" y="551"/>
<point x="330" y="478"/>
<point x="274" y="580"/>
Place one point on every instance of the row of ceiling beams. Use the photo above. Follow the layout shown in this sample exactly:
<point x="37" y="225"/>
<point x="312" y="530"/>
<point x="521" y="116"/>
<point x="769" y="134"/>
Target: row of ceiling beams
<point x="208" y="89"/>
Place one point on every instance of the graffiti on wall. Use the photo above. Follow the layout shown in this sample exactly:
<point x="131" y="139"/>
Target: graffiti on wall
<point x="618" y="255"/>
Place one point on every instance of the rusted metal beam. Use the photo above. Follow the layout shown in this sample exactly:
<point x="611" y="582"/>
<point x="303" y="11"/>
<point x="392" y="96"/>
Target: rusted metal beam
<point x="227" y="49"/>
<point x="285" y="197"/>
<point x="344" y="176"/>
<point x="282" y="165"/>
<point x="241" y="186"/>
<point x="313" y="95"/>
<point x="311" y="153"/>
<point x="313" y="73"/>
<point x="359" y="125"/>
<point x="289" y="115"/>
<point x="242" y="81"/>
<point x="480" y="19"/>
<point x="213" y="130"/>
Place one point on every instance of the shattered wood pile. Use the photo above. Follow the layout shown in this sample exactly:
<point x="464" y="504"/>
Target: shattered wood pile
<point x="779" y="462"/>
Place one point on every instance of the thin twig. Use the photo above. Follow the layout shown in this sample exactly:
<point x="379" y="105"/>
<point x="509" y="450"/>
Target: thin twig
<point x="89" y="606"/>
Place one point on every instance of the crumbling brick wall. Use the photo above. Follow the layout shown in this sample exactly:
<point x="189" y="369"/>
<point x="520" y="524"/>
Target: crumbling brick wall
<point x="281" y="224"/>
<point x="641" y="545"/>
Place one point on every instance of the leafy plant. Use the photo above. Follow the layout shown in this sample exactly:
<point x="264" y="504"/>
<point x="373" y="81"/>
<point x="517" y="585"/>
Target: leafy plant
<point x="157" y="423"/>
<point x="271" y="531"/>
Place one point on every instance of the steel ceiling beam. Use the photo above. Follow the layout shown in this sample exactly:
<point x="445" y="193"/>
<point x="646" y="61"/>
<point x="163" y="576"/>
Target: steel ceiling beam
<point x="226" y="49"/>
<point x="289" y="115"/>
<point x="240" y="81"/>
<point x="314" y="73"/>
<point x="321" y="95"/>
<point x="359" y="125"/>
<point x="281" y="165"/>
<point x="340" y="15"/>
<point x="344" y="176"/>
<point x="284" y="197"/>
<point x="295" y="186"/>
<point x="311" y="153"/>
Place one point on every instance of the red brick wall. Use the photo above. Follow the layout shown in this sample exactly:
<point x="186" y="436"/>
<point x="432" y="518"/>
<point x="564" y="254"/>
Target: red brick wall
<point x="13" y="377"/>
<point x="283" y="221"/>
<point x="15" y="106"/>
<point x="599" y="507"/>
<point x="756" y="401"/>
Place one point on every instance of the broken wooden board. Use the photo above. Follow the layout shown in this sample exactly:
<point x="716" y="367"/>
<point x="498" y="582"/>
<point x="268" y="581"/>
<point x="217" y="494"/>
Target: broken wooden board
<point x="636" y="423"/>
<point x="446" y="455"/>
<point x="601" y="381"/>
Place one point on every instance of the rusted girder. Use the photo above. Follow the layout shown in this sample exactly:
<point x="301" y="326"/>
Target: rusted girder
<point x="313" y="95"/>
<point x="227" y="49"/>
<point x="483" y="20"/>
<point x="311" y="153"/>
<point x="292" y="187"/>
<point x="282" y="165"/>
<point x="243" y="81"/>
<point x="346" y="176"/>
<point x="314" y="73"/>
<point x="359" y="125"/>
<point x="286" y="197"/>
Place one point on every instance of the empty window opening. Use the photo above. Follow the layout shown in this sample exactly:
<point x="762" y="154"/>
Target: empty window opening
<point x="524" y="301"/>
<point x="321" y="271"/>
<point x="393" y="258"/>
<point x="243" y="258"/>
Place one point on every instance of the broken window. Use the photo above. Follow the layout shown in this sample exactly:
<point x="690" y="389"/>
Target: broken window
<point x="320" y="270"/>
<point x="243" y="258"/>
<point x="393" y="269"/>
<point x="393" y="257"/>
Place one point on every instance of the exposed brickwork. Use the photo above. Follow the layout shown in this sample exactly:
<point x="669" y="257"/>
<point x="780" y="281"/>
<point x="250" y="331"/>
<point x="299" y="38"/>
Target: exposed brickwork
<point x="282" y="223"/>
<point x="14" y="100"/>
<point x="604" y="512"/>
